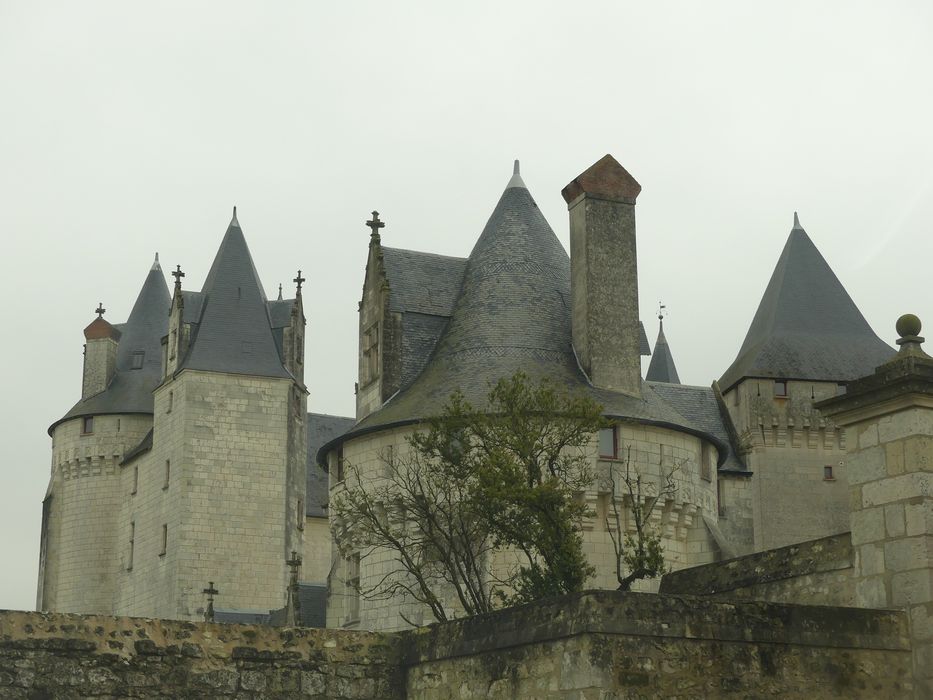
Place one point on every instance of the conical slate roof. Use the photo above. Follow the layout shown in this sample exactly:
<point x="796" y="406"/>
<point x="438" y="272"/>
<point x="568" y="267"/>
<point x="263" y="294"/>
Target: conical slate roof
<point x="807" y="326"/>
<point x="130" y="390"/>
<point x="661" y="368"/>
<point x="234" y="333"/>
<point x="512" y="313"/>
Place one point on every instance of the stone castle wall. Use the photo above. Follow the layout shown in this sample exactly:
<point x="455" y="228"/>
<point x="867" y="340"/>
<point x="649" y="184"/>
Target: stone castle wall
<point x="818" y="572"/>
<point x="596" y="644"/>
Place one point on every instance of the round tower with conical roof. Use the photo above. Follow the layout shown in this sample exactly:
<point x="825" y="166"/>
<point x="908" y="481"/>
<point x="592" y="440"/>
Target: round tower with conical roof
<point x="84" y="549"/>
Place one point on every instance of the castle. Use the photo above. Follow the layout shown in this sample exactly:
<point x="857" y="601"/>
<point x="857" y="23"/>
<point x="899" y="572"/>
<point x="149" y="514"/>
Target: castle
<point x="190" y="457"/>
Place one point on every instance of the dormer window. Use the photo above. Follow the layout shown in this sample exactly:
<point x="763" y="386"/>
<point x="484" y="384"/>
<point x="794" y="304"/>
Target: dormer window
<point x="138" y="357"/>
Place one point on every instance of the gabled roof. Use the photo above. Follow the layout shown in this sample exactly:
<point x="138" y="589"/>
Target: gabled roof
<point x="234" y="331"/>
<point x="807" y="326"/>
<point x="130" y="390"/>
<point x="661" y="368"/>
<point x="422" y="283"/>
<point x="512" y="313"/>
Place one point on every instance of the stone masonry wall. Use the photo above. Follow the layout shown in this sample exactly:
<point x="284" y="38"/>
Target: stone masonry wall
<point x="46" y="656"/>
<point x="612" y="645"/>
<point x="592" y="645"/>
<point x="819" y="572"/>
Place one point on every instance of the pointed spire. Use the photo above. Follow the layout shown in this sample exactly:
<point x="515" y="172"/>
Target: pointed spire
<point x="233" y="221"/>
<point x="662" y="368"/>
<point x="280" y="292"/>
<point x="155" y="264"/>
<point x="516" y="180"/>
<point x="797" y="226"/>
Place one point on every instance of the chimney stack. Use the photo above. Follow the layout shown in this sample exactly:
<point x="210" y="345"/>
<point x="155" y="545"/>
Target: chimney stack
<point x="604" y="275"/>
<point x="100" y="356"/>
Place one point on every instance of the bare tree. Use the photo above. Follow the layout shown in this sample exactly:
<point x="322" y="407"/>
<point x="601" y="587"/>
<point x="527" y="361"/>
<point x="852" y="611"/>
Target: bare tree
<point x="638" y="550"/>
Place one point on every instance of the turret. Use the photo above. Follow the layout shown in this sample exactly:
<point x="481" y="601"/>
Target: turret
<point x="662" y="368"/>
<point x="604" y="275"/>
<point x="100" y="354"/>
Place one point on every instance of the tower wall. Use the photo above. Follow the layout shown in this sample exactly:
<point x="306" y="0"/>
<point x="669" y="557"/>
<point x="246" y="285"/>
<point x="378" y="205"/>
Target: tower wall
<point x="790" y="447"/>
<point x="236" y="451"/>
<point x="81" y="556"/>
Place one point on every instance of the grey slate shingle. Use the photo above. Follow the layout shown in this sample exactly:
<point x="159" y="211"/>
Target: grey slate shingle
<point x="661" y="368"/>
<point x="806" y="326"/>
<point x="512" y="313"/>
<point x="234" y="331"/>
<point x="322" y="428"/>
<point x="130" y="390"/>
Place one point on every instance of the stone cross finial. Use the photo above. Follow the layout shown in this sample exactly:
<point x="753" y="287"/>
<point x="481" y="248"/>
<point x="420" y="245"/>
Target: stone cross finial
<point x="100" y="310"/>
<point x="178" y="274"/>
<point x="375" y="224"/>
<point x="210" y="591"/>
<point x="299" y="280"/>
<point x="294" y="564"/>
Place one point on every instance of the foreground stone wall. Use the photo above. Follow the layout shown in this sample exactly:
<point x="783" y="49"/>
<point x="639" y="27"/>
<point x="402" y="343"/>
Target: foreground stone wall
<point x="71" y="656"/>
<point x="818" y="572"/>
<point x="593" y="645"/>
<point x="636" y="645"/>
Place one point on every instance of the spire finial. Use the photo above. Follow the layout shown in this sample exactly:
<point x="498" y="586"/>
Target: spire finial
<point x="661" y="311"/>
<point x="375" y="225"/>
<point x="516" y="180"/>
<point x="234" y="221"/>
<point x="515" y="168"/>
<point x="155" y="263"/>
<point x="298" y="281"/>
<point x="797" y="222"/>
<point x="280" y="292"/>
<point x="178" y="274"/>
<point x="100" y="310"/>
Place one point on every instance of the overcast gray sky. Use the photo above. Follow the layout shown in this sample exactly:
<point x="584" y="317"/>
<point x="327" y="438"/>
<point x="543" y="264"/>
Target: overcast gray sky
<point x="128" y="128"/>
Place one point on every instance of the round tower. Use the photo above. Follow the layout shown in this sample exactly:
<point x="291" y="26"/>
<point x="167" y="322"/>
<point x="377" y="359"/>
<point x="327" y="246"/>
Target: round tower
<point x="84" y="547"/>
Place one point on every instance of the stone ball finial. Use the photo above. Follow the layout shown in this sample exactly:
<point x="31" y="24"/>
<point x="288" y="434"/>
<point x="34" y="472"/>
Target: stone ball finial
<point x="908" y="325"/>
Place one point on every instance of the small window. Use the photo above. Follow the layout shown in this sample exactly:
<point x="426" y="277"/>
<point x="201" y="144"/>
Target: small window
<point x="828" y="473"/>
<point x="168" y="473"/>
<point x="706" y="465"/>
<point x="609" y="443"/>
<point x="353" y="586"/>
<point x="135" y="480"/>
<point x="720" y="499"/>
<point x="132" y="543"/>
<point x="164" y="540"/>
<point x="87" y="425"/>
<point x="171" y="401"/>
<point x="340" y="464"/>
<point x="300" y="514"/>
<point x="173" y="344"/>
<point x="118" y="425"/>
<point x="138" y="357"/>
<point x="780" y="388"/>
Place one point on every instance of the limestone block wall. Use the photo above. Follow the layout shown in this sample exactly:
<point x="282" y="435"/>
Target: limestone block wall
<point x="818" y="572"/>
<point x="611" y="645"/>
<point x="654" y="451"/>
<point x="71" y="656"/>
<point x="790" y="445"/>
<point x="736" y="519"/>
<point x="228" y="513"/>
<point x="81" y="561"/>
<point x="316" y="557"/>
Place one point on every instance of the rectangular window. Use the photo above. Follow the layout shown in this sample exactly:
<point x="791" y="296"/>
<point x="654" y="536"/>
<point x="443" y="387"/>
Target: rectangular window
<point x="171" y="401"/>
<point x="172" y="344"/>
<point x="780" y="388"/>
<point x="828" y="473"/>
<point x="164" y="540"/>
<point x="138" y="357"/>
<point x="300" y="514"/>
<point x="168" y="473"/>
<point x="609" y="442"/>
<point x="118" y="425"/>
<point x="720" y="501"/>
<point x="135" y="479"/>
<point x="87" y="425"/>
<point x="129" y="556"/>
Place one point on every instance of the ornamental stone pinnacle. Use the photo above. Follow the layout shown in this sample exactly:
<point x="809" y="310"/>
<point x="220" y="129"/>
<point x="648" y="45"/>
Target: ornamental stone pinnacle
<point x="299" y="280"/>
<point x="375" y="225"/>
<point x="178" y="274"/>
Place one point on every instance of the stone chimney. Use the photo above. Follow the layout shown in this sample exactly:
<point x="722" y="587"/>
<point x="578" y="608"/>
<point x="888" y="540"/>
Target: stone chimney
<point x="604" y="275"/>
<point x="100" y="355"/>
<point x="888" y="417"/>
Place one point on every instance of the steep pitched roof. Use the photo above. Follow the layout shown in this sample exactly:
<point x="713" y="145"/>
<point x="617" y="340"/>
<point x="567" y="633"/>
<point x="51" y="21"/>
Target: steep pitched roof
<point x="806" y="326"/>
<point x="130" y="390"/>
<point x="661" y="367"/>
<point x="512" y="313"/>
<point x="234" y="332"/>
<point x="422" y="283"/>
